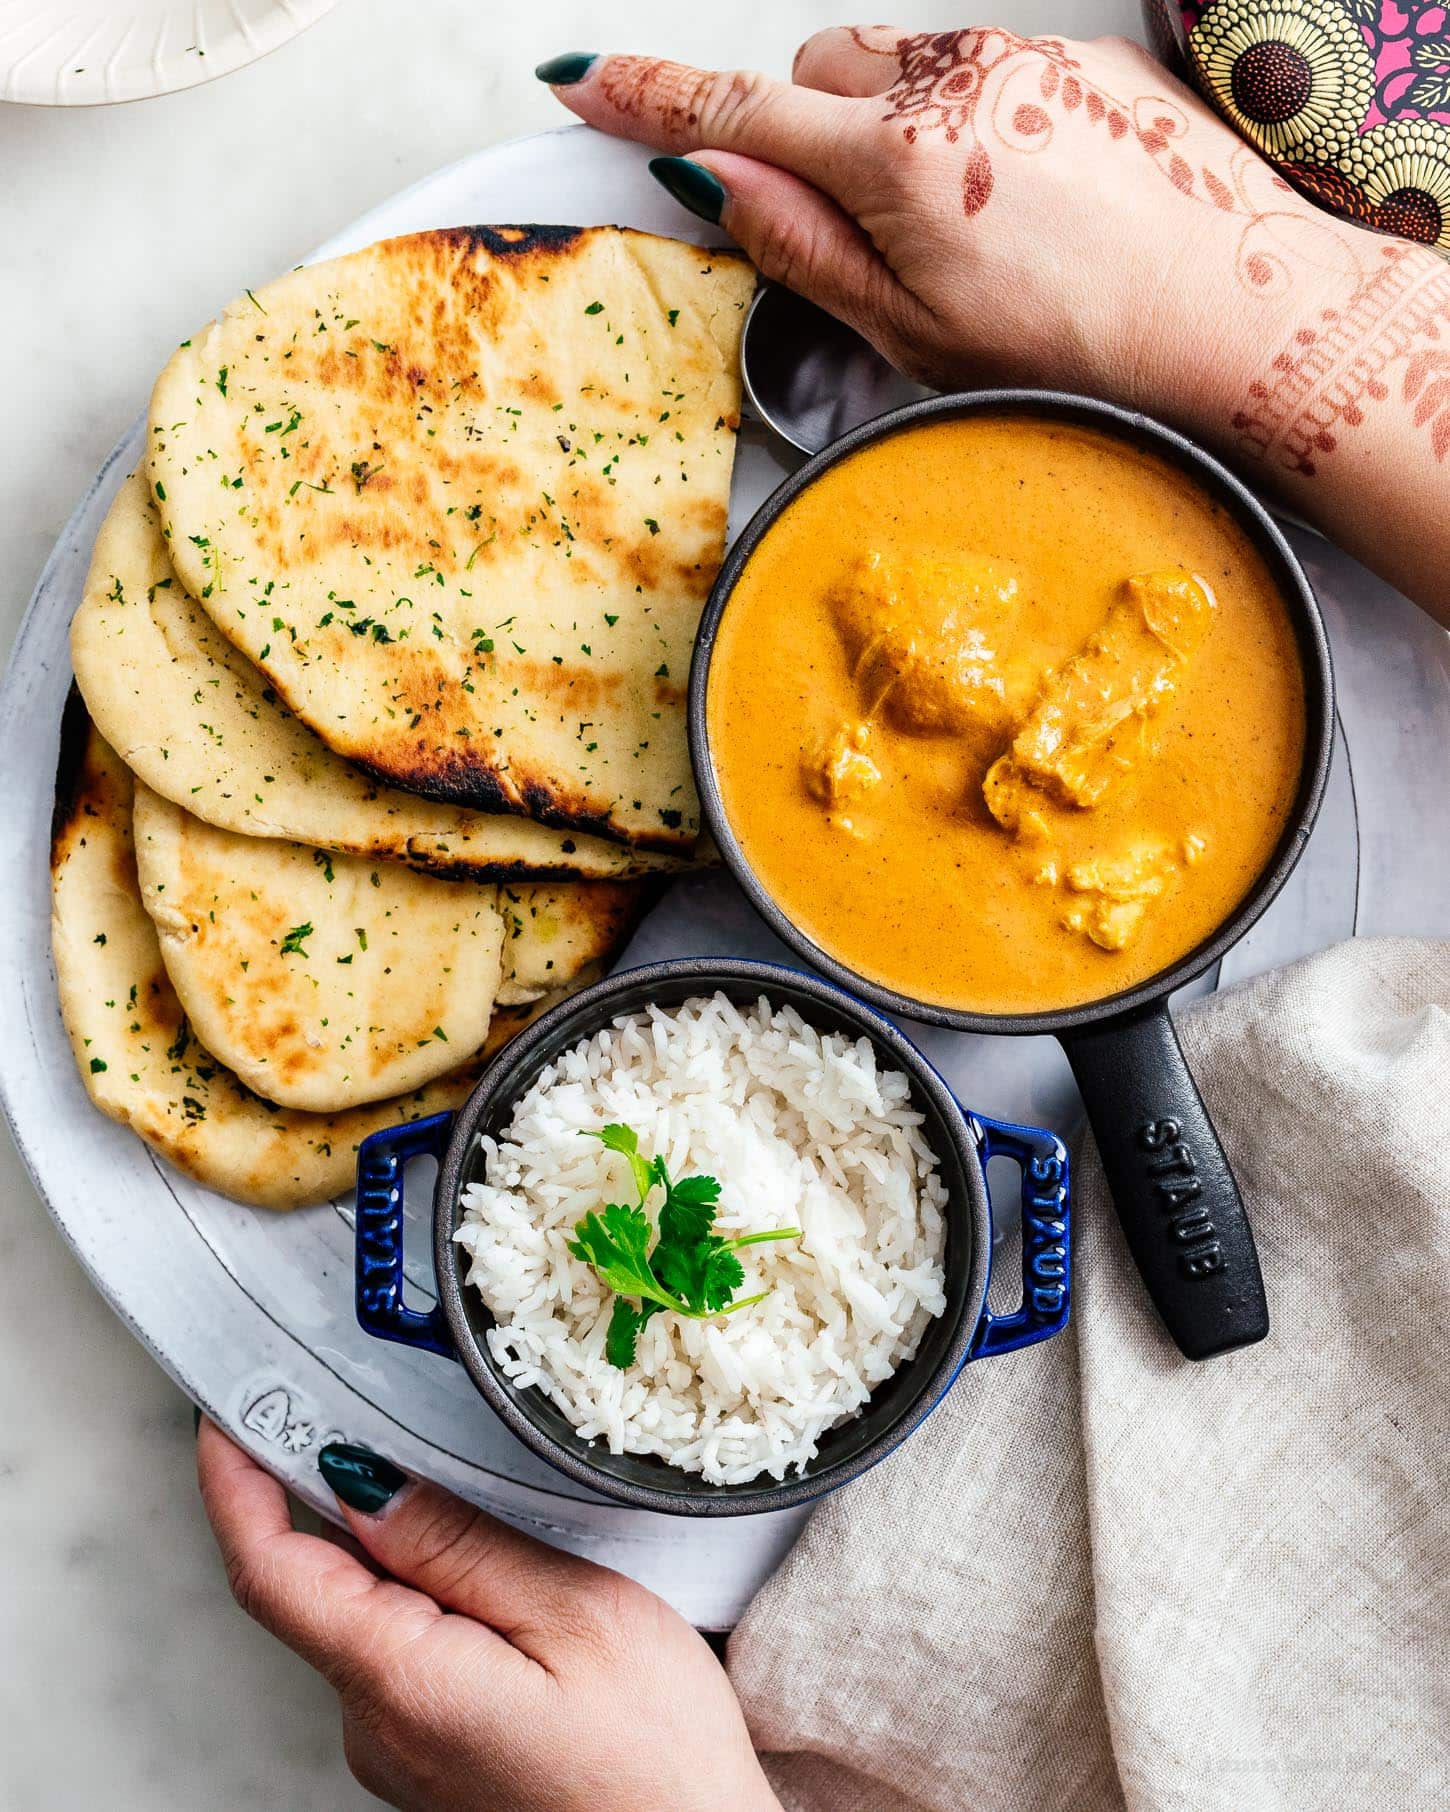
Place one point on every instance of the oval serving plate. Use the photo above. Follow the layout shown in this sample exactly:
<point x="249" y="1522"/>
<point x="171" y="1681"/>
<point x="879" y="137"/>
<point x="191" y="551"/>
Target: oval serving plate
<point x="252" y="1313"/>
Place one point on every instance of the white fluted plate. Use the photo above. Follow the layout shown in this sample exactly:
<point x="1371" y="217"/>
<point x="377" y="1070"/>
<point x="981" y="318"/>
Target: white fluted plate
<point x="85" y="53"/>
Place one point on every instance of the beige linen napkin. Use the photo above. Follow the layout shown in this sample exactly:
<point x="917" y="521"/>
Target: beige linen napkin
<point x="1101" y="1577"/>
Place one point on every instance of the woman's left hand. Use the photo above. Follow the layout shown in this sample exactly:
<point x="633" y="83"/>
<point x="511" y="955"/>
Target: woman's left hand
<point x="477" y="1668"/>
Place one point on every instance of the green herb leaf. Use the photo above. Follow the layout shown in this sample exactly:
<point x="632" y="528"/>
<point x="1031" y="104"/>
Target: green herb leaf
<point x="690" y="1260"/>
<point x="616" y="1240"/>
<point x="616" y="1244"/>
<point x="625" y="1140"/>
<point x="626" y="1324"/>
<point x="689" y="1210"/>
<point x="692" y="1271"/>
<point x="681" y="1269"/>
<point x="723" y="1275"/>
<point x="295" y="938"/>
<point x="623" y="1334"/>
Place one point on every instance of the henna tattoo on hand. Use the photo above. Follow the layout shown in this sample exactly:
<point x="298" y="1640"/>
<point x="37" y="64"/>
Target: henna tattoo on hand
<point x="973" y="86"/>
<point x="875" y="40"/>
<point x="1296" y="414"/>
<point x="948" y="79"/>
<point x="670" y="92"/>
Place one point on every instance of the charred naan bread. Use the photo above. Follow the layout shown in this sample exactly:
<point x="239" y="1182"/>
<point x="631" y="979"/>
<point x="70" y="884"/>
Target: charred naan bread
<point x="192" y="717"/>
<point x="139" y="1059"/>
<point x="461" y="496"/>
<point x="322" y="980"/>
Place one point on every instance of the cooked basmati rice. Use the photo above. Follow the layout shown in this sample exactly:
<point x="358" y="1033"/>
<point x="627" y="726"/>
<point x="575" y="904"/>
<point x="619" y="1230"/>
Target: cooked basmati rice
<point x="802" y="1129"/>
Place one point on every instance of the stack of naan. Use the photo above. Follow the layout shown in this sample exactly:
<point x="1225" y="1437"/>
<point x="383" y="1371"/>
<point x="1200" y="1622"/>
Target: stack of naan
<point x="384" y="655"/>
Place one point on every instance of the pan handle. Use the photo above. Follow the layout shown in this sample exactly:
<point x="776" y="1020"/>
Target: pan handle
<point x="378" y="1263"/>
<point x="1041" y="1157"/>
<point x="1170" y="1182"/>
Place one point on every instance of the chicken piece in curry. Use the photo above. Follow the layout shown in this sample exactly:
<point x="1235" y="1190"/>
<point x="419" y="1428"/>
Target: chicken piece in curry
<point x="1093" y="718"/>
<point x="1110" y="894"/>
<point x="840" y="772"/>
<point x="926" y="637"/>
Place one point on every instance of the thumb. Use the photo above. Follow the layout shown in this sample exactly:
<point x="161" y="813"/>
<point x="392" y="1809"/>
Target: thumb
<point x="799" y="237"/>
<point x="463" y="1558"/>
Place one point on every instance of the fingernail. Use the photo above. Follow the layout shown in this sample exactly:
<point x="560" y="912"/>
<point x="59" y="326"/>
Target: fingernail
<point x="692" y="185"/>
<point x="196" y="1418"/>
<point x="364" y="1480"/>
<point x="565" y="70"/>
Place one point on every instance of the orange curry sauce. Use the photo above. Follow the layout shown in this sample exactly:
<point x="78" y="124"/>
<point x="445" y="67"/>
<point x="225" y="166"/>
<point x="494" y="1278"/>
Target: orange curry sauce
<point x="1007" y="714"/>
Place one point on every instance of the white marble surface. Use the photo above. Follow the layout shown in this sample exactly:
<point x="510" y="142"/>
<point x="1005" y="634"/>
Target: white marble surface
<point x="126" y="1676"/>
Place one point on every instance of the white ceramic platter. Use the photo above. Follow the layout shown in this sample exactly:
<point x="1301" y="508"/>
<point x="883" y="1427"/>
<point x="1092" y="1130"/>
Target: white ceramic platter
<point x="84" y="53"/>
<point x="252" y="1313"/>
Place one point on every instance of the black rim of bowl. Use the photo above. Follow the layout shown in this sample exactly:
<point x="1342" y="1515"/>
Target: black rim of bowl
<point x="907" y="1397"/>
<point x="1252" y="517"/>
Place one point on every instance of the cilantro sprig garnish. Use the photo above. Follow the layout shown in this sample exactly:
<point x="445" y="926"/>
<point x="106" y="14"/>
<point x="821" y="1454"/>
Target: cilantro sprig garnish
<point x="690" y="1270"/>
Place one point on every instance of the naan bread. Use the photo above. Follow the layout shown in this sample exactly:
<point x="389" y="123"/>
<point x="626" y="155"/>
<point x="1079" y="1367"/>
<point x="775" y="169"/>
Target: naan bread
<point x="322" y="980"/>
<point x="550" y="933"/>
<point x="461" y="496"/>
<point x="139" y="1059"/>
<point x="509" y="1021"/>
<point x="192" y="717"/>
<point x="326" y="982"/>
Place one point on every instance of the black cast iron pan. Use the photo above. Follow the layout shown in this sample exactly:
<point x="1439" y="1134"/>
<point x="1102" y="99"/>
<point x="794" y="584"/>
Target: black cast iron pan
<point x="1171" y="1183"/>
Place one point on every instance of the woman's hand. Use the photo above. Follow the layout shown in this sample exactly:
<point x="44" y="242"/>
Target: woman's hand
<point x="983" y="207"/>
<point x="479" y="1670"/>
<point x="992" y="209"/>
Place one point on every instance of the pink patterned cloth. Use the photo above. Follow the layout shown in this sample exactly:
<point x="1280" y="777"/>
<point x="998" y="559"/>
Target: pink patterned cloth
<point x="1411" y="80"/>
<point x="1350" y="98"/>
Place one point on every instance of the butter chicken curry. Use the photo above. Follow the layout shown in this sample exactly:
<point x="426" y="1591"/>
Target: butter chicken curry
<point x="1006" y="713"/>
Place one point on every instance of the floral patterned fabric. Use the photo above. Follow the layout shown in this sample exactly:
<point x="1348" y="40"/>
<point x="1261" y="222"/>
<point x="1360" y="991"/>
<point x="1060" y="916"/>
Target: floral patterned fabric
<point x="1350" y="98"/>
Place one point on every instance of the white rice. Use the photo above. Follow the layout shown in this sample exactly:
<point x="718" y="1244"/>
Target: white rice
<point x="802" y="1129"/>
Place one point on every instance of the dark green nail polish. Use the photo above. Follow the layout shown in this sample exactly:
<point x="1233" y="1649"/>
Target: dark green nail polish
<point x="564" y="71"/>
<point x="364" y="1480"/>
<point x="196" y="1418"/>
<point x="691" y="184"/>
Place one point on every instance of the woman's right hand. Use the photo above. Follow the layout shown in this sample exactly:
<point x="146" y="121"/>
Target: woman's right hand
<point x="991" y="209"/>
<point x="479" y="1670"/>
